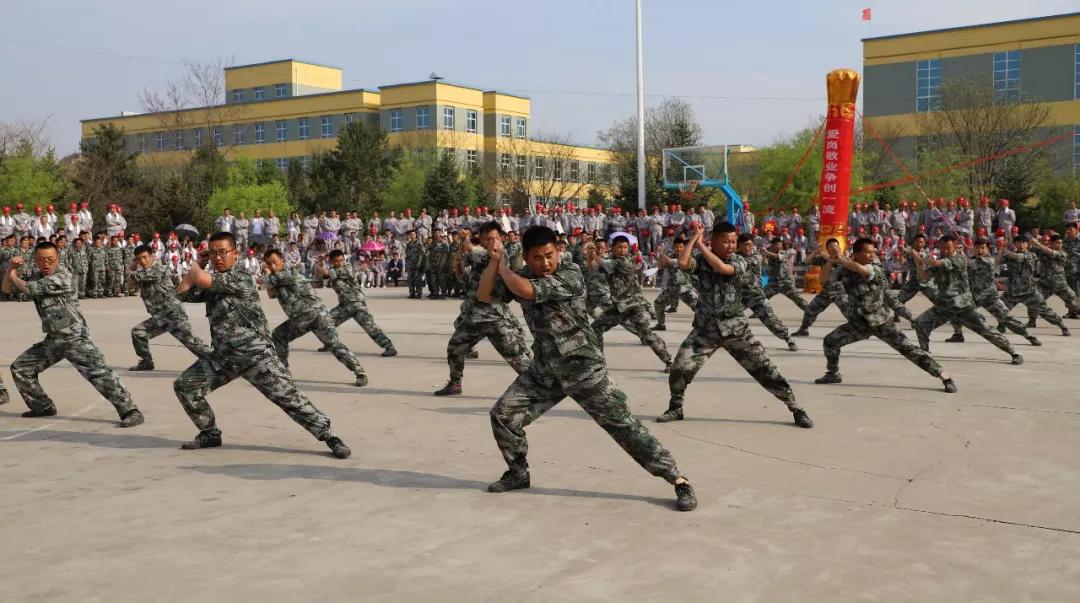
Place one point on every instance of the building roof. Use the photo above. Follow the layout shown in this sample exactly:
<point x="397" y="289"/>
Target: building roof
<point x="455" y="84"/>
<point x="249" y="104"/>
<point x="981" y="25"/>
<point x="283" y="61"/>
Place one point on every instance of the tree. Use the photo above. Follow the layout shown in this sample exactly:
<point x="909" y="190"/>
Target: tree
<point x="29" y="180"/>
<point x="444" y="188"/>
<point x="545" y="167"/>
<point x="26" y="138"/>
<point x="1015" y="181"/>
<point x="406" y="186"/>
<point x="355" y="174"/>
<point x="105" y="173"/>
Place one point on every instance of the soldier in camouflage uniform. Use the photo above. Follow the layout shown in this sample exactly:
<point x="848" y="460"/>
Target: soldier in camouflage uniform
<point x="628" y="308"/>
<point x="478" y="320"/>
<point x="832" y="291"/>
<point x="26" y="268"/>
<point x="868" y="315"/>
<point x="912" y="285"/>
<point x="78" y="260"/>
<point x="4" y="396"/>
<point x="99" y="260"/>
<point x="1020" y="287"/>
<point x="129" y="257"/>
<point x="114" y="274"/>
<point x="513" y="251"/>
<point x="167" y="315"/>
<point x="1053" y="280"/>
<point x="414" y="266"/>
<point x="306" y="313"/>
<point x="597" y="290"/>
<point x="954" y="302"/>
<point x="438" y="256"/>
<point x="677" y="285"/>
<point x="241" y="347"/>
<point x="52" y="290"/>
<point x="8" y="250"/>
<point x="753" y="296"/>
<point x="781" y="282"/>
<point x="1072" y="266"/>
<point x="351" y="301"/>
<point x="981" y="270"/>
<point x="719" y="322"/>
<point x="567" y="362"/>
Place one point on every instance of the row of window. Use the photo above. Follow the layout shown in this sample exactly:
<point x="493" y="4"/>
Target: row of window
<point x="1076" y="147"/>
<point x="1076" y="76"/>
<point x="281" y="134"/>
<point x="449" y="116"/>
<point x="561" y="169"/>
<point x="1007" y="76"/>
<point x="259" y="93"/>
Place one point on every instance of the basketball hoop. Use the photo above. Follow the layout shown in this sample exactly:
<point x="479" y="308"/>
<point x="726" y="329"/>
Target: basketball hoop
<point x="687" y="188"/>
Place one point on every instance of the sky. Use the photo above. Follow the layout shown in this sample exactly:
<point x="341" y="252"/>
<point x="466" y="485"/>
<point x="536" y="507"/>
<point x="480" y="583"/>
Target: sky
<point x="753" y="71"/>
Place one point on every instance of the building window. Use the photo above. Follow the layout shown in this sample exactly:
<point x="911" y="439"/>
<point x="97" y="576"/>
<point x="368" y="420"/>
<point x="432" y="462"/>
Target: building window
<point x="504" y="164"/>
<point x="1007" y="76"/>
<point x="470" y="115"/>
<point x="575" y="171"/>
<point x="538" y="168"/>
<point x="590" y="171"/>
<point x="260" y="133"/>
<point x="504" y="125"/>
<point x="448" y="118"/>
<point x="280" y="90"/>
<point x="348" y="118"/>
<point x="219" y="140"/>
<point x="197" y="135"/>
<point x="423" y="118"/>
<point x="260" y="92"/>
<point x="179" y="140"/>
<point x="395" y="120"/>
<point x="282" y="163"/>
<point x="238" y="134"/>
<point x="304" y="127"/>
<point x="519" y="166"/>
<point x="237" y="96"/>
<point x="470" y="159"/>
<point x="159" y="141"/>
<point x="327" y="127"/>
<point x="928" y="85"/>
<point x="305" y="162"/>
<point x="556" y="170"/>
<point x="281" y="130"/>
<point x="519" y="124"/>
<point x="142" y="143"/>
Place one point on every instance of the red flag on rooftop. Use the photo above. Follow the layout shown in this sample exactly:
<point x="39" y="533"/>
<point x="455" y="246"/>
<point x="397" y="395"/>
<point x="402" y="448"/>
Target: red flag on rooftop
<point x="866" y="14"/>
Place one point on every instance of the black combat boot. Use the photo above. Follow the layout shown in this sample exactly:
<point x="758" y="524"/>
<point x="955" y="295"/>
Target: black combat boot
<point x="132" y="418"/>
<point x="451" y="388"/>
<point x="144" y="365"/>
<point x="950" y="386"/>
<point x="673" y="413"/>
<point x="361" y="380"/>
<point x="829" y="377"/>
<point x="388" y="352"/>
<point x="659" y="327"/>
<point x="1017" y="359"/>
<point x="511" y="480"/>
<point x="802" y="419"/>
<point x="203" y="440"/>
<point x="955" y="338"/>
<point x="685" y="499"/>
<point x="801" y="333"/>
<point x="338" y="448"/>
<point x="33" y="414"/>
<point x="4" y="396"/>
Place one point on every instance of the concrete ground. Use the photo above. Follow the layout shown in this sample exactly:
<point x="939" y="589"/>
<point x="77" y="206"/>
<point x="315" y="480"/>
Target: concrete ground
<point x="900" y="492"/>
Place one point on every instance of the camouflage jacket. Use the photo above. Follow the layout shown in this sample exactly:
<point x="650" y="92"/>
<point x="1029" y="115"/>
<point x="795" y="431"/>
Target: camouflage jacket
<point x="779" y="267"/>
<point x="625" y="281"/>
<point x="513" y="253"/>
<point x="719" y="307"/>
<point x="116" y="258"/>
<point x="1019" y="273"/>
<point x="597" y="291"/>
<point x="1072" y="248"/>
<point x="294" y="293"/>
<point x="57" y="302"/>
<point x="562" y="334"/>
<point x="1054" y="266"/>
<point x="239" y="334"/>
<point x="98" y="257"/>
<point x="981" y="277"/>
<point x="438" y="256"/>
<point x="951" y="282"/>
<point x="344" y="282"/>
<point x="157" y="290"/>
<point x="865" y="297"/>
<point x="832" y="286"/>
<point x="677" y="280"/>
<point x="414" y="255"/>
<point x="472" y="308"/>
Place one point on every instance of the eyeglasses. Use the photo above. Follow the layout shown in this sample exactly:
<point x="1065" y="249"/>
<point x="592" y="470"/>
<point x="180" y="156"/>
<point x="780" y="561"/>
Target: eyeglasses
<point x="219" y="253"/>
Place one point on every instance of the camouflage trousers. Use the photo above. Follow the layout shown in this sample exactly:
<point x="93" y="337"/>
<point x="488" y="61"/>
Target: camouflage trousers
<point x="80" y="283"/>
<point x="819" y="304"/>
<point x="584" y="379"/>
<point x="1036" y="305"/>
<point x="84" y="356"/>
<point x="506" y="336"/>
<point x="849" y="333"/>
<point x="268" y="375"/>
<point x="114" y="280"/>
<point x="1063" y="291"/>
<point x="761" y="310"/>
<point x="359" y="312"/>
<point x="415" y="280"/>
<point x="788" y="290"/>
<point x="894" y="303"/>
<point x="992" y="303"/>
<point x="97" y="283"/>
<point x="670" y="298"/>
<point x="436" y="282"/>
<point x="969" y="317"/>
<point x="323" y="328"/>
<point x="636" y="320"/>
<point x="176" y="325"/>
<point x="910" y="289"/>
<point x="743" y="347"/>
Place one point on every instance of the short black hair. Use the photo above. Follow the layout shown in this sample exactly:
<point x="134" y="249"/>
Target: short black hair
<point x="744" y="237"/>
<point x="919" y="236"/>
<point x="487" y="227"/>
<point x="776" y="240"/>
<point x="1021" y="238"/>
<point x="141" y="249"/>
<point x="1072" y="225"/>
<point x="680" y="241"/>
<point x="223" y="236"/>
<point x="947" y="238"/>
<point x="272" y="252"/>
<point x="723" y="228"/>
<point x="337" y="253"/>
<point x="537" y="236"/>
<point x="832" y="240"/>
<point x="861" y="243"/>
<point x="45" y="245"/>
<point x="619" y="239"/>
<point x="981" y="241"/>
<point x="1055" y="237"/>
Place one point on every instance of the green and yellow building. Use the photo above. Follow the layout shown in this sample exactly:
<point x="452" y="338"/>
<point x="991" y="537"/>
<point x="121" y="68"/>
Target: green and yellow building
<point x="287" y="110"/>
<point x="1034" y="59"/>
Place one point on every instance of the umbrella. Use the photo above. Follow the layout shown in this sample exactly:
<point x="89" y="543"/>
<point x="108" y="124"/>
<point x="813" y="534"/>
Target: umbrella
<point x="265" y="240"/>
<point x="187" y="229"/>
<point x="629" y="237"/>
<point x="372" y="246"/>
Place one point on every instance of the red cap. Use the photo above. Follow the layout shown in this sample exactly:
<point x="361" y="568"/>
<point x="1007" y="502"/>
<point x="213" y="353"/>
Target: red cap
<point x="49" y="207"/>
<point x="86" y="204"/>
<point x="37" y="209"/>
<point x="1004" y="202"/>
<point x="7" y="210"/>
<point x="73" y="206"/>
<point x="18" y="206"/>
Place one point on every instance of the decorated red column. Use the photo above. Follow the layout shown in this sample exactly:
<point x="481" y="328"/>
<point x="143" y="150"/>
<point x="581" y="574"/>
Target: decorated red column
<point x="835" y="187"/>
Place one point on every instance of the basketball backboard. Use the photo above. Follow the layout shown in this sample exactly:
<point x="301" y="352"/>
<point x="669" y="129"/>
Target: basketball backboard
<point x="697" y="166"/>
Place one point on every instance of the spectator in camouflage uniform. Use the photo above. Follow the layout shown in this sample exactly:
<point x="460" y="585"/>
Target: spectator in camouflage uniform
<point x="1072" y="266"/>
<point x="98" y="265"/>
<point x="351" y="301"/>
<point x="114" y="272"/>
<point x="719" y="322"/>
<point x="155" y="285"/>
<point x="129" y="256"/>
<point x="438" y="257"/>
<point x="241" y="347"/>
<point x="306" y="313"/>
<point x="781" y="282"/>
<point x="78" y="260"/>
<point x="954" y="302"/>
<point x="414" y="265"/>
<point x="478" y="320"/>
<point x="1020" y="287"/>
<point x="677" y="286"/>
<point x="753" y="296"/>
<point x="832" y="290"/>
<point x="628" y="308"/>
<point x="52" y="289"/>
<point x="1054" y="280"/>
<point x="868" y="315"/>
<point x="567" y="362"/>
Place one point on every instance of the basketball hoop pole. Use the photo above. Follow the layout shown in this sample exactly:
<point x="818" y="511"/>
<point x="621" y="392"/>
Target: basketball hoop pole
<point x="640" y="114"/>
